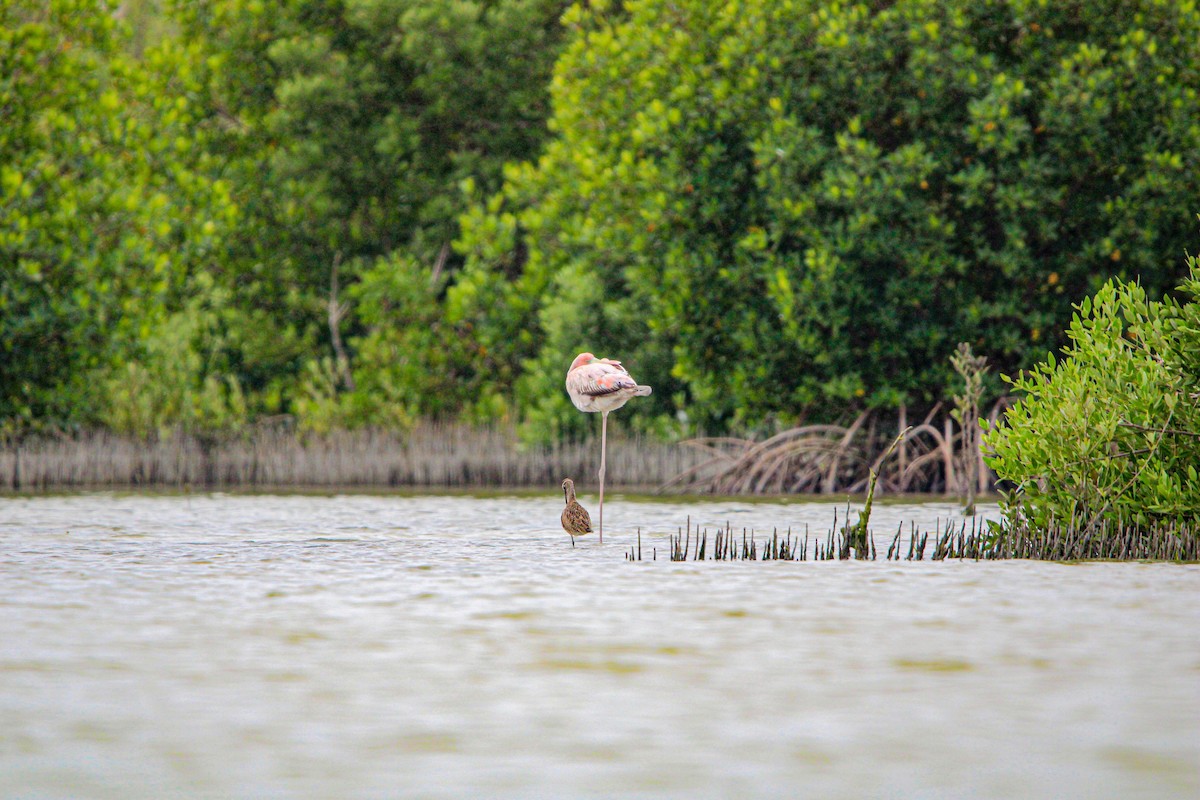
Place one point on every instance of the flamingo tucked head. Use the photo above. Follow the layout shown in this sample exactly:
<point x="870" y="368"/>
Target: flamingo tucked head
<point x="581" y="359"/>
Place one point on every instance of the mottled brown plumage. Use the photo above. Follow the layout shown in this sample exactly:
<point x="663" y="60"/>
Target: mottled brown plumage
<point x="575" y="518"/>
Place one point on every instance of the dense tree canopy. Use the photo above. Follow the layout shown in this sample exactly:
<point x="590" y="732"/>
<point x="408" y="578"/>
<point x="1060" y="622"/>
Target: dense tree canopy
<point x="362" y="212"/>
<point x="176" y="214"/>
<point x="358" y="123"/>
<point x="109" y="209"/>
<point x="790" y="208"/>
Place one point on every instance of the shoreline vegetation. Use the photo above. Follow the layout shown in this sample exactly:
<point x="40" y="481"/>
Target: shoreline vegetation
<point x="965" y="540"/>
<point x="807" y="460"/>
<point x="821" y="460"/>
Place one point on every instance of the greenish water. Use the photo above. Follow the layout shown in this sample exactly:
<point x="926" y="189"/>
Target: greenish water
<point x="455" y="646"/>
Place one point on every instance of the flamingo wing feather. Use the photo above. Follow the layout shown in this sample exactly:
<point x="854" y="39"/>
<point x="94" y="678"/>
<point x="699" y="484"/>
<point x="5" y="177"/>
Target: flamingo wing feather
<point x="599" y="379"/>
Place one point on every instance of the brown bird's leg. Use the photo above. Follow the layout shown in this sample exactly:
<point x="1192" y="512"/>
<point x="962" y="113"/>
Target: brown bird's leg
<point x="603" y="452"/>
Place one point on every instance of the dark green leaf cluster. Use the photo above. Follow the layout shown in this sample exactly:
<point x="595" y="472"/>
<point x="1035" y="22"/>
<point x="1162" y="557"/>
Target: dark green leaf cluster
<point x="364" y="212"/>
<point x="779" y="210"/>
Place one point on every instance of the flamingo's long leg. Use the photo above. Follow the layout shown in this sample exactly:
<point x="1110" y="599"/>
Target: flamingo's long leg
<point x="603" y="452"/>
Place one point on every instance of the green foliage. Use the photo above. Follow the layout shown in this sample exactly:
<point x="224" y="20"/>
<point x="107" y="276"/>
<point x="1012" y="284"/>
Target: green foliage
<point x="774" y="210"/>
<point x="1112" y="429"/>
<point x="177" y="193"/>
<point x="177" y="382"/>
<point x="106" y="213"/>
<point x="769" y="210"/>
<point x="357" y="125"/>
<point x="148" y="25"/>
<point x="410" y="363"/>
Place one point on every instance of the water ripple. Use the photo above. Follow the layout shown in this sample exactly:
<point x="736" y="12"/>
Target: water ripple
<point x="378" y="646"/>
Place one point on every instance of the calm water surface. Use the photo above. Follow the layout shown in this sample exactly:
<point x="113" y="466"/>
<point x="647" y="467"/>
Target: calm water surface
<point x="453" y="647"/>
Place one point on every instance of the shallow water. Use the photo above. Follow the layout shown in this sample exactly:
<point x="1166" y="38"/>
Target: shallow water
<point x="382" y="646"/>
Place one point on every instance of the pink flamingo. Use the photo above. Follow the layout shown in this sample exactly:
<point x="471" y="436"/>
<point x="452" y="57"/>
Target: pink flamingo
<point x="601" y="384"/>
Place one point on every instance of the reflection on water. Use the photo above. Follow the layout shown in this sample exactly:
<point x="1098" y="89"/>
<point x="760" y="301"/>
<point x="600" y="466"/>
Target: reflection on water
<point x="373" y="646"/>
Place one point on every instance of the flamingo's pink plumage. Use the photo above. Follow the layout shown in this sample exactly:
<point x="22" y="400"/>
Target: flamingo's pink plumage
<point x="601" y="385"/>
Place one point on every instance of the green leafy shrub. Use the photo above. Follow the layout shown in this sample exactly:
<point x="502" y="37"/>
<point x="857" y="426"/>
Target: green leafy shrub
<point x="1112" y="429"/>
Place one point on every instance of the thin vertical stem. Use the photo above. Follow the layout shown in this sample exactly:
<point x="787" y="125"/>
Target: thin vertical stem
<point x="603" y="452"/>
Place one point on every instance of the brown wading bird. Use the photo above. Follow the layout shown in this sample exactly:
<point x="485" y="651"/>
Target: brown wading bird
<point x="600" y="384"/>
<point x="575" y="518"/>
